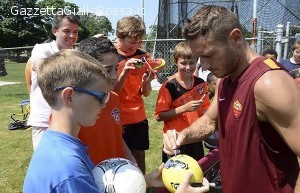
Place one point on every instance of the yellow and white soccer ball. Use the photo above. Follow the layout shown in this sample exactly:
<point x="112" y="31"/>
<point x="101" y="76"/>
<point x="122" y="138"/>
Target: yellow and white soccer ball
<point x="176" y="169"/>
<point x="119" y="175"/>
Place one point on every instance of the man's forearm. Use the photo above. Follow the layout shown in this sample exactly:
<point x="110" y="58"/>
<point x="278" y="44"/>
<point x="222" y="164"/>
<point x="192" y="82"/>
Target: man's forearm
<point x="200" y="130"/>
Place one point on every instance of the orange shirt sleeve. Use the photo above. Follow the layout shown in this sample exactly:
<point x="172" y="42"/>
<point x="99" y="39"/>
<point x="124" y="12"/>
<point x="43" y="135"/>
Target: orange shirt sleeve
<point x="163" y="101"/>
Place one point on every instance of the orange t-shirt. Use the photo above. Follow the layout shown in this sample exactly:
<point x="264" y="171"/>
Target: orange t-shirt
<point x="132" y="103"/>
<point x="172" y="95"/>
<point x="104" y="139"/>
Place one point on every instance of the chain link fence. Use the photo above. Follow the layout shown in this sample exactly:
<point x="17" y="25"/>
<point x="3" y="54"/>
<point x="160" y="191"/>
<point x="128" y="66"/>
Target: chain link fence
<point x="13" y="55"/>
<point x="159" y="48"/>
<point x="252" y="14"/>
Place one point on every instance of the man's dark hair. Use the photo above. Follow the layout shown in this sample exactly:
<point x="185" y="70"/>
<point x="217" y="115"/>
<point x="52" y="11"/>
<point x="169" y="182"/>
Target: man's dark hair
<point x="58" y="19"/>
<point x="269" y="51"/>
<point x="211" y="21"/>
<point x="96" y="47"/>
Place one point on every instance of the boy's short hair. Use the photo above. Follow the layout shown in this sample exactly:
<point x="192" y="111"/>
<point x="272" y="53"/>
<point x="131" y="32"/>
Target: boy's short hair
<point x="269" y="51"/>
<point x="210" y="77"/>
<point x="131" y="27"/>
<point x="68" y="68"/>
<point x="296" y="46"/>
<point x="96" y="47"/>
<point x="183" y="50"/>
<point x="58" y="19"/>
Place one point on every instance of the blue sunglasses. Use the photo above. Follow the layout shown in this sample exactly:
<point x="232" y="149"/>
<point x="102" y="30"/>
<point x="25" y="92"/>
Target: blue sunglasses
<point x="103" y="97"/>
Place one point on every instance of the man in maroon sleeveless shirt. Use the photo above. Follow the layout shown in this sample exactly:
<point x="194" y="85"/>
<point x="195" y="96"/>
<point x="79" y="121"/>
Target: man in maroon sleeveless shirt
<point x="257" y="106"/>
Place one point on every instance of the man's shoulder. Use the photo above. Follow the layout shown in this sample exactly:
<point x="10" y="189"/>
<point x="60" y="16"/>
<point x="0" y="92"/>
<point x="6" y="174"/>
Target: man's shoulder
<point x="271" y="80"/>
<point x="44" y="50"/>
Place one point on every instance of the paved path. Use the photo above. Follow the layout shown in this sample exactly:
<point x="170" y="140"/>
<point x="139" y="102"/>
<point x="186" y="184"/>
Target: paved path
<point x="2" y="83"/>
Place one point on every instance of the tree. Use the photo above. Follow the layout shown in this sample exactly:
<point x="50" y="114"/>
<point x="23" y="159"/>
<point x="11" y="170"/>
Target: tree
<point x="104" y="25"/>
<point x="149" y="46"/>
<point x="19" y="26"/>
<point x="96" y="24"/>
<point x="152" y="34"/>
<point x="27" y="22"/>
<point x="90" y="24"/>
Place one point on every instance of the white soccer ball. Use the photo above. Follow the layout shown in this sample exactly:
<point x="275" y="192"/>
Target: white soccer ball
<point x="119" y="175"/>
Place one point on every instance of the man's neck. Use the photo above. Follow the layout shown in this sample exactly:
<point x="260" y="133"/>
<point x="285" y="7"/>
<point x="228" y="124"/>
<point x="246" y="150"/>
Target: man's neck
<point x="243" y="63"/>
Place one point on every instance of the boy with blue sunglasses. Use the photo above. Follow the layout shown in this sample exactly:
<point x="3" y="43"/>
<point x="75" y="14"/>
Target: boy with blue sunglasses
<point x="75" y="86"/>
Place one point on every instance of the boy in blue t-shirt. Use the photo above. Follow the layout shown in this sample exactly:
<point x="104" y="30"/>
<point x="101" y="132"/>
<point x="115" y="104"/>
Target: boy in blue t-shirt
<point x="75" y="87"/>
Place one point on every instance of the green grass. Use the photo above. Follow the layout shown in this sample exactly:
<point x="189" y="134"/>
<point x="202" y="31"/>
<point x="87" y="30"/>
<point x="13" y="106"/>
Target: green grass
<point x="15" y="146"/>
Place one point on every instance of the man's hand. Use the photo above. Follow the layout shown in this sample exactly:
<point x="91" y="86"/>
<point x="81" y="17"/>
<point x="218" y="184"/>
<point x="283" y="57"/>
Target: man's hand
<point x="202" y="128"/>
<point x="185" y="186"/>
<point x="172" y="142"/>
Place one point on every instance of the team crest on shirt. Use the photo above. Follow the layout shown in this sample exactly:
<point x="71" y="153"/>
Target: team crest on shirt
<point x="116" y="115"/>
<point x="201" y="89"/>
<point x="237" y="108"/>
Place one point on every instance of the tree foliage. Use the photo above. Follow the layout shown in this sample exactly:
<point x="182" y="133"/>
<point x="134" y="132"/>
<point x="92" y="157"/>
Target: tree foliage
<point x="21" y="27"/>
<point x="96" y="24"/>
<point x="18" y="28"/>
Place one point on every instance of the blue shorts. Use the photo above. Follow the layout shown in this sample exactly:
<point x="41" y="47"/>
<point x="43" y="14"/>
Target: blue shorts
<point x="136" y="135"/>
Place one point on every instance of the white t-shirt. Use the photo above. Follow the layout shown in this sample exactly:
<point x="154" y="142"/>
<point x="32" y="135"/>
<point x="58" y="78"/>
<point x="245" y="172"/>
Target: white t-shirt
<point x="39" y="109"/>
<point x="203" y="74"/>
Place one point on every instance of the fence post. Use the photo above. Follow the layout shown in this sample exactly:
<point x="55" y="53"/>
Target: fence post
<point x="2" y="64"/>
<point x="279" y="36"/>
<point x="286" y="43"/>
<point x="259" y="40"/>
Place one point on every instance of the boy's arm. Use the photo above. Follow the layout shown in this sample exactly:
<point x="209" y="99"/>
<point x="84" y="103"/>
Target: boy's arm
<point x="122" y="77"/>
<point x="149" y="76"/>
<point x="202" y="128"/>
<point x="28" y="75"/>
<point x="146" y="84"/>
<point x="185" y="186"/>
<point x="188" y="107"/>
<point x="127" y="152"/>
<point x="154" y="179"/>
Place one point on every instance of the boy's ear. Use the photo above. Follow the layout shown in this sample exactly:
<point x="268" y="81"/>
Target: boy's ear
<point x="66" y="95"/>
